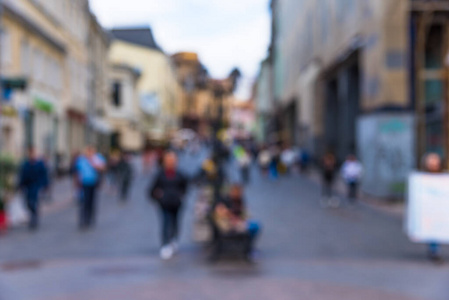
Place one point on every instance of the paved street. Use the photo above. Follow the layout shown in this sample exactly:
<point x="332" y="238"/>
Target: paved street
<point x="305" y="252"/>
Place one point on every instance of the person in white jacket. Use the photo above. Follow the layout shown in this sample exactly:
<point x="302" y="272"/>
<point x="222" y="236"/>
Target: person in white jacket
<point x="352" y="171"/>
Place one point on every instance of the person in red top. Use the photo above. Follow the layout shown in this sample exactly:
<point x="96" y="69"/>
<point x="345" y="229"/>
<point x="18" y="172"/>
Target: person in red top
<point x="168" y="190"/>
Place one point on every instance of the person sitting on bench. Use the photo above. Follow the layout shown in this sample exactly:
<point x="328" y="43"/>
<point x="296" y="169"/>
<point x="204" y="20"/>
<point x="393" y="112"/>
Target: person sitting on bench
<point x="230" y="217"/>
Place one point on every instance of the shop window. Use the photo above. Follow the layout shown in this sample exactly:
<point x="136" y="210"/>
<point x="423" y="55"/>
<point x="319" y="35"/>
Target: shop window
<point x="434" y="91"/>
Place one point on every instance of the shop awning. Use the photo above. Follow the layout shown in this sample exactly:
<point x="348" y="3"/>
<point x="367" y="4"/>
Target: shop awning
<point x="101" y="125"/>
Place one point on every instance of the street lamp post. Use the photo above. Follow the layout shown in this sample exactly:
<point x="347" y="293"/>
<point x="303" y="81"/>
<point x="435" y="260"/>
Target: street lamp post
<point x="218" y="148"/>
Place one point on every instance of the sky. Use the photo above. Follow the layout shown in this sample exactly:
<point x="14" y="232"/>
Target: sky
<point x="225" y="33"/>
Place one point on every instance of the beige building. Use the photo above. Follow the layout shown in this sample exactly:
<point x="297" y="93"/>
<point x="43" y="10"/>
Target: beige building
<point x="33" y="50"/>
<point x="123" y="111"/>
<point x="59" y="50"/>
<point x="349" y="76"/>
<point x="157" y="85"/>
<point x="99" y="130"/>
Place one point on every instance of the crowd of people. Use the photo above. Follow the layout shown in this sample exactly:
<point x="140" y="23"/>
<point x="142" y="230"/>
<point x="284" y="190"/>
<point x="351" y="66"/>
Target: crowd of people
<point x="90" y="170"/>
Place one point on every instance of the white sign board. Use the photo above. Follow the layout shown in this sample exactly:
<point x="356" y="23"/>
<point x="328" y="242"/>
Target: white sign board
<point x="428" y="208"/>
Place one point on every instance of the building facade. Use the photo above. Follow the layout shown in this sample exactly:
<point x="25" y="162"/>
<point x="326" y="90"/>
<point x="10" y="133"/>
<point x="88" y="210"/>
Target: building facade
<point x="57" y="52"/>
<point x="263" y="99"/>
<point x="157" y="85"/>
<point x="201" y="102"/>
<point x="195" y="95"/>
<point x="361" y="77"/>
<point x="243" y="119"/>
<point x="123" y="111"/>
<point x="98" y="128"/>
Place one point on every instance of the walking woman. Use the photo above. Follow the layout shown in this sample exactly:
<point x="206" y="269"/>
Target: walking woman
<point x="328" y="169"/>
<point x="168" y="191"/>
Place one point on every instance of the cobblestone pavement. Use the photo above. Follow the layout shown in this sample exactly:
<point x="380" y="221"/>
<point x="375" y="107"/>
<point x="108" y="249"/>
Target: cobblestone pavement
<point x="305" y="252"/>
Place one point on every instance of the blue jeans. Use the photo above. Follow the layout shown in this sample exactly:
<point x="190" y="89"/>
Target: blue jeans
<point x="32" y="203"/>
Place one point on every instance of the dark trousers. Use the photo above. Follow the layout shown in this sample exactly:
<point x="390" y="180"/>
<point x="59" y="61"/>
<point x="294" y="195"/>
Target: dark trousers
<point x="124" y="190"/>
<point x="32" y="203"/>
<point x="328" y="182"/>
<point x="352" y="190"/>
<point x="87" y="206"/>
<point x="170" y="225"/>
<point x="245" y="174"/>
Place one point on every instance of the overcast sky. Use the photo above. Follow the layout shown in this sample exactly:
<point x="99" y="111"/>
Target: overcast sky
<point x="225" y="33"/>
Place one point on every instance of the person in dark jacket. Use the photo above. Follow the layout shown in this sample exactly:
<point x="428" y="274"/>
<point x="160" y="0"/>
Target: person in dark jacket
<point x="168" y="191"/>
<point x="125" y="173"/>
<point x="33" y="177"/>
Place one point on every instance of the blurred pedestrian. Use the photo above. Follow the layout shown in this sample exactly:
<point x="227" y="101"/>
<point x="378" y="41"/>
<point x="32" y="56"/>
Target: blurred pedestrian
<point x="328" y="169"/>
<point x="89" y="167"/>
<point x="231" y="216"/>
<point x="113" y="172"/>
<point x="33" y="178"/>
<point x="304" y="160"/>
<point x="288" y="159"/>
<point x="352" y="171"/>
<point x="212" y="175"/>
<point x="264" y="159"/>
<point x="125" y="174"/>
<point x="168" y="190"/>
<point x="46" y="194"/>
<point x="274" y="163"/>
<point x="432" y="163"/>
<point x="244" y="160"/>
<point x="78" y="190"/>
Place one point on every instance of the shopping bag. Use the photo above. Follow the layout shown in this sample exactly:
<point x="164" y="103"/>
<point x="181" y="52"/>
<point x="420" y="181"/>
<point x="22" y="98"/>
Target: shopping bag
<point x="16" y="212"/>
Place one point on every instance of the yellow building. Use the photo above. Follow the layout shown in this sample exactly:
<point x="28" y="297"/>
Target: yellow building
<point x="157" y="85"/>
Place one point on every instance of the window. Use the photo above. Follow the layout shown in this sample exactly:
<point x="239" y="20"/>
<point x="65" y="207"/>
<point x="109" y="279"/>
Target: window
<point x="6" y="54"/>
<point x="434" y="48"/>
<point x="25" y="59"/>
<point x="36" y="64"/>
<point x="116" y="94"/>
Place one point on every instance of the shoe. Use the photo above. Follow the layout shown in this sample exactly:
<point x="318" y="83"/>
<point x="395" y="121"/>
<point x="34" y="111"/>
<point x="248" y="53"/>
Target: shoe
<point x="166" y="252"/>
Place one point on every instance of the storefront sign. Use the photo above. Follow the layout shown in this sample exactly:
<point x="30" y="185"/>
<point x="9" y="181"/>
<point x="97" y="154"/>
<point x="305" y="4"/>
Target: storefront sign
<point x="43" y="105"/>
<point x="428" y="208"/>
